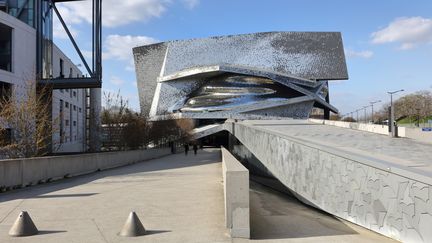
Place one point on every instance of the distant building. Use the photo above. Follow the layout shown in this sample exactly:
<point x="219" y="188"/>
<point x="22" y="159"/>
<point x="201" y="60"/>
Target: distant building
<point x="18" y="61"/>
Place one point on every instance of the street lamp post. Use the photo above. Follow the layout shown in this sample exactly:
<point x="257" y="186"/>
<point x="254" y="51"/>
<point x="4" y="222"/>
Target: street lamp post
<point x="365" y="116"/>
<point x="372" y="104"/>
<point x="357" y="120"/>
<point x="392" y="125"/>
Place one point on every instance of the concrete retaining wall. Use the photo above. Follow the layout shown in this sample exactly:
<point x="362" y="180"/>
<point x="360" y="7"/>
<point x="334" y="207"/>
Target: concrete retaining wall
<point x="380" y="129"/>
<point x="236" y="194"/>
<point x="374" y="194"/>
<point x="418" y="134"/>
<point x="404" y="132"/>
<point x="22" y="172"/>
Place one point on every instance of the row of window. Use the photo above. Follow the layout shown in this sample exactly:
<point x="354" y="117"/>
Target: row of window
<point x="67" y="106"/>
<point x="73" y="92"/>
<point x="66" y="122"/>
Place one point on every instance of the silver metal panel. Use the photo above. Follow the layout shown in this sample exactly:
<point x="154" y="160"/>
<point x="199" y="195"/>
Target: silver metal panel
<point x="311" y="55"/>
<point x="169" y="72"/>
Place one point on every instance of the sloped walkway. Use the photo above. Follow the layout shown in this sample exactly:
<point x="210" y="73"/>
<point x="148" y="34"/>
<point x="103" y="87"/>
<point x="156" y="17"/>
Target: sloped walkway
<point x="178" y="199"/>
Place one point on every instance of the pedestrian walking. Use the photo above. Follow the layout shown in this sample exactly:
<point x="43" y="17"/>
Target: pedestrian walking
<point x="186" y="148"/>
<point x="195" y="148"/>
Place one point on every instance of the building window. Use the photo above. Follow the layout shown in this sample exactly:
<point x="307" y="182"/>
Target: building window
<point x="23" y="10"/>
<point x="74" y="107"/>
<point x="74" y="93"/>
<point x="5" y="47"/>
<point x="67" y="104"/>
<point x="3" y="6"/>
<point x="79" y="109"/>
<point x="74" y="123"/>
<point x="5" y="137"/>
<point x="61" y="68"/>
<point x="67" y="90"/>
<point x="61" y="122"/>
<point x="70" y="73"/>
<point x="67" y="122"/>
<point x="62" y="90"/>
<point x="5" y="91"/>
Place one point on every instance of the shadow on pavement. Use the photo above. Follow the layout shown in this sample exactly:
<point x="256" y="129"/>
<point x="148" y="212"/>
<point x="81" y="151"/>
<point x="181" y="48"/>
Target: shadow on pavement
<point x="179" y="160"/>
<point x="66" y="195"/>
<point x="46" y="232"/>
<point x="276" y="215"/>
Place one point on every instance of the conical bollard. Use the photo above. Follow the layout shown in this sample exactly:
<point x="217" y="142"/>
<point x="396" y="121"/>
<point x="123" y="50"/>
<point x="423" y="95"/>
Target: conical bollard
<point x="133" y="226"/>
<point x="23" y="226"/>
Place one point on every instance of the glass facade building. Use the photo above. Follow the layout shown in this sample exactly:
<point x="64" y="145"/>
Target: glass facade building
<point x="23" y="10"/>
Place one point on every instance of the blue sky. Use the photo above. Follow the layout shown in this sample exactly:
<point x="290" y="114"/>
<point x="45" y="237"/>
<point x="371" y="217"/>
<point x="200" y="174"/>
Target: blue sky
<point x="388" y="43"/>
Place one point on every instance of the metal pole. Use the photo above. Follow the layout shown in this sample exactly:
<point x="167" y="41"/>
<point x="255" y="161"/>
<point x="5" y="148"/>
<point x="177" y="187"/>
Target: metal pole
<point x="365" y="119"/>
<point x="372" y="104"/>
<point x="357" y="116"/>
<point x="392" y="115"/>
<point x="392" y="125"/>
<point x="71" y="38"/>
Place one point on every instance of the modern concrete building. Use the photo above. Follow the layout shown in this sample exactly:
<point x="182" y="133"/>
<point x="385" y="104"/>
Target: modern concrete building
<point x="68" y="107"/>
<point x="251" y="76"/>
<point x="18" y="60"/>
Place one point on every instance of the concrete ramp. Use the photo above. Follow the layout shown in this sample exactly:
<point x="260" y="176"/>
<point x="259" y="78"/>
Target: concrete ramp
<point x="207" y="130"/>
<point x="378" y="182"/>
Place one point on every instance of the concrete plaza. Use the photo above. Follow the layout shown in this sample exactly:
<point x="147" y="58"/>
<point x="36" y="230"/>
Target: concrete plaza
<point x="178" y="199"/>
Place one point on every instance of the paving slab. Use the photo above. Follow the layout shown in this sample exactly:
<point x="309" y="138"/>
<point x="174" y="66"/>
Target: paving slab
<point x="178" y="199"/>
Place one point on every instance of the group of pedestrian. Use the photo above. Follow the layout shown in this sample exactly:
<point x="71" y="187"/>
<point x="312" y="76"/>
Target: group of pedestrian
<point x="186" y="148"/>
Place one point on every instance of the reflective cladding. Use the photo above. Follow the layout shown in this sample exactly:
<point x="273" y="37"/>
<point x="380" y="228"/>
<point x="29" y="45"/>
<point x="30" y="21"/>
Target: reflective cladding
<point x="47" y="32"/>
<point x="235" y="91"/>
<point x="323" y="91"/>
<point x="23" y="10"/>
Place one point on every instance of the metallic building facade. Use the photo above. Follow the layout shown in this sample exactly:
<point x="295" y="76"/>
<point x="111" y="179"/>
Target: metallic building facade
<point x="250" y="76"/>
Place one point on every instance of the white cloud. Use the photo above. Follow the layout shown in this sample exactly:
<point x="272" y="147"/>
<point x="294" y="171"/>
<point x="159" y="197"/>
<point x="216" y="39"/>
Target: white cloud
<point x="60" y="33"/>
<point x="114" y="13"/>
<point x="408" y="32"/>
<point x="117" y="81"/>
<point x="361" y="54"/>
<point x="118" y="13"/>
<point x="119" y="47"/>
<point x="190" y="4"/>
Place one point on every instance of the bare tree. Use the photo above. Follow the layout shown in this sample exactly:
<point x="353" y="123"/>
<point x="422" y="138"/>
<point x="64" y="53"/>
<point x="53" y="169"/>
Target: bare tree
<point x="28" y="118"/>
<point x="113" y="119"/>
<point x="125" y="129"/>
<point x="413" y="106"/>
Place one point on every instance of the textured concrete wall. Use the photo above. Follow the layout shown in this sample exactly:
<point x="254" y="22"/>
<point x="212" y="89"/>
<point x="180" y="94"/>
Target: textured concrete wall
<point x="236" y="195"/>
<point x="377" y="195"/>
<point x="22" y="172"/>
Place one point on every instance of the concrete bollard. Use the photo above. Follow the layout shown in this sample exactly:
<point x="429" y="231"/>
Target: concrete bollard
<point x="23" y="226"/>
<point x="133" y="226"/>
